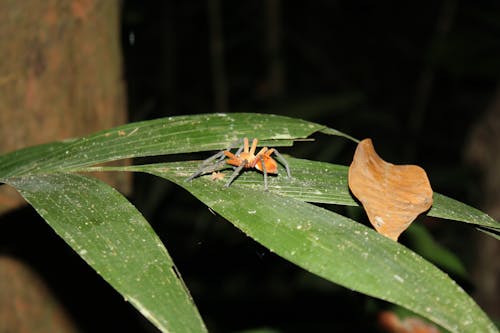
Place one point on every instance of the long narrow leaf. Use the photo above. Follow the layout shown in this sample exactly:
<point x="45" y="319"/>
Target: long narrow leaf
<point x="172" y="135"/>
<point x="113" y="237"/>
<point x="314" y="238"/>
<point x="340" y="250"/>
<point x="322" y="182"/>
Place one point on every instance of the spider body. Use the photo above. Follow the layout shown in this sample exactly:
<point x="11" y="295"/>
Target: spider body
<point x="245" y="158"/>
<point x="262" y="161"/>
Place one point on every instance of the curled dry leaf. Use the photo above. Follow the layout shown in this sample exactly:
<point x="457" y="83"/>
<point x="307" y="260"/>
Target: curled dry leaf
<point x="392" y="195"/>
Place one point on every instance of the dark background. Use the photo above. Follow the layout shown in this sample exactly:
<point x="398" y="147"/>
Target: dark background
<point x="415" y="77"/>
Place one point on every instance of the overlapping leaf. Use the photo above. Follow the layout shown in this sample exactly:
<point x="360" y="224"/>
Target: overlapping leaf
<point x="113" y="237"/>
<point x="171" y="135"/>
<point x="327" y="244"/>
<point x="338" y="249"/>
<point x="321" y="182"/>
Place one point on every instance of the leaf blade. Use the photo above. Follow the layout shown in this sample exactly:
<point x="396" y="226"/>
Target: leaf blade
<point x="340" y="250"/>
<point x="182" y="134"/>
<point x="113" y="238"/>
<point x="321" y="182"/>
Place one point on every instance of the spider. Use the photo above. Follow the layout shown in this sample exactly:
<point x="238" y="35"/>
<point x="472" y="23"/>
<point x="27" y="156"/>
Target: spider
<point x="244" y="158"/>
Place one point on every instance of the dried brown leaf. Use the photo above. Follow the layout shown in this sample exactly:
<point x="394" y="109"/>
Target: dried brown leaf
<point x="392" y="195"/>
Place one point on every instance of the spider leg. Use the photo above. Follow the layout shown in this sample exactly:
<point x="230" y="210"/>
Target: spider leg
<point x="283" y="161"/>
<point x="236" y="173"/>
<point x="219" y="156"/>
<point x="239" y="150"/>
<point x="205" y="167"/>
<point x="235" y="144"/>
<point x="238" y="143"/>
<point x="262" y="151"/>
<point x="264" y="170"/>
<point x="253" y="148"/>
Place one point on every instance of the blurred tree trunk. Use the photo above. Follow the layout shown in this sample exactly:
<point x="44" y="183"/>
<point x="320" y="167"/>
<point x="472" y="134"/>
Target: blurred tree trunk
<point x="483" y="149"/>
<point x="26" y="303"/>
<point x="60" y="77"/>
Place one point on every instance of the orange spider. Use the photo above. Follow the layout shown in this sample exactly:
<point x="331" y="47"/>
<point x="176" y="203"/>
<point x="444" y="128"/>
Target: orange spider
<point x="245" y="158"/>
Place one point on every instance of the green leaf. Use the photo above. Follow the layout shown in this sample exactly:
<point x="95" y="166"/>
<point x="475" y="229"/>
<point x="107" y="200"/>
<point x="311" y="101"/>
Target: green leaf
<point x="30" y="170"/>
<point x="172" y="135"/>
<point x="452" y="209"/>
<point x="113" y="237"/>
<point x="490" y="233"/>
<point x="423" y="243"/>
<point x="314" y="238"/>
<point x="336" y="248"/>
<point x="322" y="182"/>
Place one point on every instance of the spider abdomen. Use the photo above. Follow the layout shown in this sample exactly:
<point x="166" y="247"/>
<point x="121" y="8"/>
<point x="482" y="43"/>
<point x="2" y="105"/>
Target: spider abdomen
<point x="269" y="162"/>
